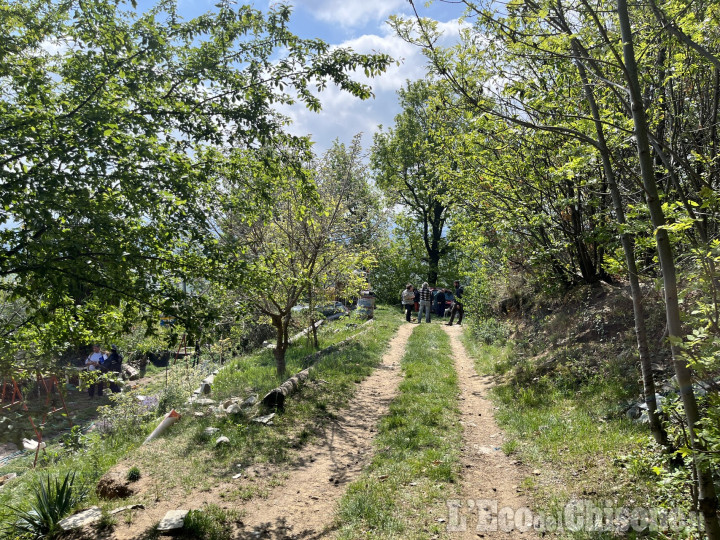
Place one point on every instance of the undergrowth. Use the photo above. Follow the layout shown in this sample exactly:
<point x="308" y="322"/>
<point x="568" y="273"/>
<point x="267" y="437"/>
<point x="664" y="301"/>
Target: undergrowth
<point x="562" y="405"/>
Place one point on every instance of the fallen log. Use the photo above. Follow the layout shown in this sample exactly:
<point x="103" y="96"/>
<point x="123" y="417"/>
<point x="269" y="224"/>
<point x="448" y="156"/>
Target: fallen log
<point x="276" y="396"/>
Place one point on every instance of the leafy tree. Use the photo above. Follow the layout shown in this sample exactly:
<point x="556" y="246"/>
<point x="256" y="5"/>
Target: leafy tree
<point x="402" y="158"/>
<point x="112" y="126"/>
<point x="299" y="245"/>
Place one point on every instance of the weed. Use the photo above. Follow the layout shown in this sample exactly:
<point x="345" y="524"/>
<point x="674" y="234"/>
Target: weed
<point x="133" y="475"/>
<point x="510" y="446"/>
<point x="405" y="483"/>
<point x="210" y="523"/>
<point x="51" y="501"/>
<point x="107" y="521"/>
<point x="73" y="441"/>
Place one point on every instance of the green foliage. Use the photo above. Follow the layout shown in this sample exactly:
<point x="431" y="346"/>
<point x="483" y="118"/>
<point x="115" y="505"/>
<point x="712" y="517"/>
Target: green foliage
<point x="51" y="501"/>
<point x="210" y="523"/>
<point x="126" y="416"/>
<point x="116" y="128"/>
<point x="404" y="161"/>
<point x="133" y="474"/>
<point x="74" y="441"/>
<point x="491" y="331"/>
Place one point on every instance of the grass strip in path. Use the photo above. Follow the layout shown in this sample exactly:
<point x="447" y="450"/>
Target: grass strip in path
<point x="402" y="493"/>
<point x="302" y="507"/>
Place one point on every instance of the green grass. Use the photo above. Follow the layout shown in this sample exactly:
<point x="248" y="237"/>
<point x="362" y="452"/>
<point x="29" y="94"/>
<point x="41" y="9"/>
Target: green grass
<point x="402" y="492"/>
<point x="194" y="463"/>
<point x="572" y="431"/>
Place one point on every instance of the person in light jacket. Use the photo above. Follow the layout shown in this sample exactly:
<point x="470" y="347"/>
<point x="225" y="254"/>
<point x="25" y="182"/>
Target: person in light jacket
<point x="408" y="300"/>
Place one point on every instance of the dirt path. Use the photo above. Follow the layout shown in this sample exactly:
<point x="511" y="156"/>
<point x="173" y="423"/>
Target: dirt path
<point x="490" y="486"/>
<point x="303" y="506"/>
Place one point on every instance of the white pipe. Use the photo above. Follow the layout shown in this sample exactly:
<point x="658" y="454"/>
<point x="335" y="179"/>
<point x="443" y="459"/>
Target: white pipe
<point x="170" y="418"/>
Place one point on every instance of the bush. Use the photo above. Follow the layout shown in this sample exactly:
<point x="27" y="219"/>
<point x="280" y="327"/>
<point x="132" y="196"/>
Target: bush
<point x="126" y="416"/>
<point x="133" y="475"/>
<point x="73" y="441"/>
<point x="50" y="502"/>
<point x="211" y="523"/>
<point x="491" y="331"/>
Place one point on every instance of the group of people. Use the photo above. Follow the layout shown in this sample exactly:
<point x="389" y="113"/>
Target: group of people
<point x="107" y="362"/>
<point x="421" y="300"/>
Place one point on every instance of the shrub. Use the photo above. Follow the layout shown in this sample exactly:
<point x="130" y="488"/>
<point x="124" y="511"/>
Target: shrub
<point x="126" y="416"/>
<point x="491" y="331"/>
<point x="211" y="523"/>
<point x="133" y="475"/>
<point x="51" y="501"/>
<point x="73" y="441"/>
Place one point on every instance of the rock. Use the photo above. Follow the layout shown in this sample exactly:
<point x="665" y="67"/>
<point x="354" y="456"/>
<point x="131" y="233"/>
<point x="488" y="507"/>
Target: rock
<point x="233" y="409"/>
<point x="227" y="403"/>
<point x="250" y="401"/>
<point x="210" y="379"/>
<point x="657" y="367"/>
<point x="130" y="373"/>
<point x="81" y="519"/>
<point x="204" y="401"/>
<point x="210" y="431"/>
<point x="266" y="420"/>
<point x="222" y="441"/>
<point x="205" y="388"/>
<point x="633" y="412"/>
<point x="5" y="478"/>
<point x="236" y="476"/>
<point x="29" y="444"/>
<point x="198" y="414"/>
<point x="174" y="519"/>
<point x="113" y="486"/>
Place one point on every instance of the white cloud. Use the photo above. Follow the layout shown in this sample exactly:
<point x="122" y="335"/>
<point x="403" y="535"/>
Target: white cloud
<point x="343" y="115"/>
<point x="351" y="13"/>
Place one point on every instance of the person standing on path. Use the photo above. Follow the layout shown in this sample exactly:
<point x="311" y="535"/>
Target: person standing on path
<point x="408" y="300"/>
<point x="440" y="303"/>
<point x="425" y="303"/>
<point x="457" y="306"/>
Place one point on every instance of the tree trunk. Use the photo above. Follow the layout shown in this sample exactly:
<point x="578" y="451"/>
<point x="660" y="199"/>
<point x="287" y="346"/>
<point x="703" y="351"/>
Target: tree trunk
<point x="707" y="499"/>
<point x="281" y="344"/>
<point x="628" y="244"/>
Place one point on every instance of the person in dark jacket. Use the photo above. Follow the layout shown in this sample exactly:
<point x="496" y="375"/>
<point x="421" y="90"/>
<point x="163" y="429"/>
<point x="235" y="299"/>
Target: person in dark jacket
<point x="425" y="303"/>
<point x="457" y="306"/>
<point x="440" y="303"/>
<point x="417" y="300"/>
<point x="113" y="364"/>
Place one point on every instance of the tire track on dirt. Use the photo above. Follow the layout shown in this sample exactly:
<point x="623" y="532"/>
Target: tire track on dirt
<point x="304" y="505"/>
<point x="488" y="474"/>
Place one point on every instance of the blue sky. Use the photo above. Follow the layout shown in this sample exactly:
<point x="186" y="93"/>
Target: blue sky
<point x="361" y="25"/>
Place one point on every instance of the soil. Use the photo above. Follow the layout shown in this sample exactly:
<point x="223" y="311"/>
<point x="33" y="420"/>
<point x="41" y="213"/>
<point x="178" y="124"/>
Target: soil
<point x="303" y="507"/>
<point x="491" y="480"/>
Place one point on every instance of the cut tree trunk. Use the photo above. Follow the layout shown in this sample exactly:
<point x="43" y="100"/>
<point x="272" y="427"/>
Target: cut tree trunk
<point x="276" y="397"/>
